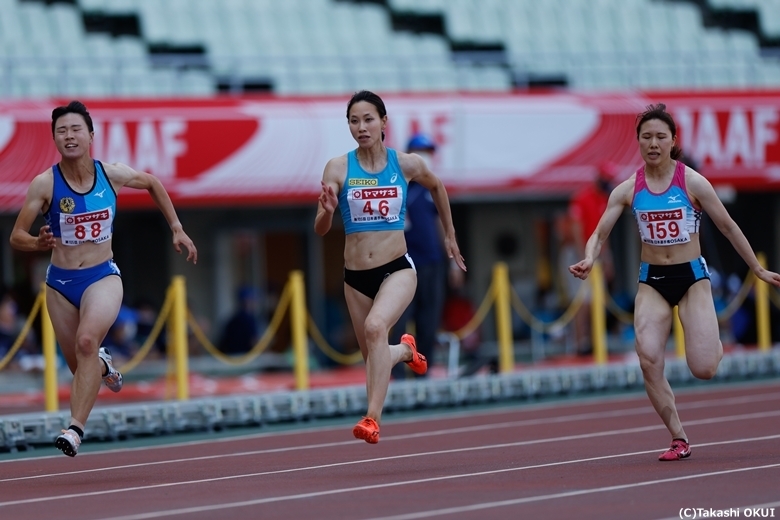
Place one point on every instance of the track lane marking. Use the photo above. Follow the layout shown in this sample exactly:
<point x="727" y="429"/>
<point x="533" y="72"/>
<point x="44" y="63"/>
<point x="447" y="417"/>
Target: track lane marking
<point x="537" y="498"/>
<point x="474" y="507"/>
<point x="398" y="457"/>
<point x="465" y="429"/>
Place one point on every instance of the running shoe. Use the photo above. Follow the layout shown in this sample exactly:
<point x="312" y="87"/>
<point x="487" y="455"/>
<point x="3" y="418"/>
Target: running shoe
<point x="68" y="442"/>
<point x="679" y="449"/>
<point x="113" y="378"/>
<point x="366" y="429"/>
<point x="418" y="364"/>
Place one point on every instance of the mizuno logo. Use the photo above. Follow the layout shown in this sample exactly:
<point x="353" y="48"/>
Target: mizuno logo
<point x="394" y="177"/>
<point x="63" y="282"/>
<point x="674" y="198"/>
<point x="100" y="193"/>
<point x="657" y="277"/>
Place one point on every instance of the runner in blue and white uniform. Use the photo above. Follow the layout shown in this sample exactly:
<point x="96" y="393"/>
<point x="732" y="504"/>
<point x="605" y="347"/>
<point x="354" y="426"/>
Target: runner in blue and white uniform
<point x="667" y="199"/>
<point x="77" y="197"/>
<point x="369" y="185"/>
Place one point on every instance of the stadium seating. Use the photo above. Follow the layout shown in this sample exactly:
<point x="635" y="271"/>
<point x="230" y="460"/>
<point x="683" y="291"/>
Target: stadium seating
<point x="199" y="47"/>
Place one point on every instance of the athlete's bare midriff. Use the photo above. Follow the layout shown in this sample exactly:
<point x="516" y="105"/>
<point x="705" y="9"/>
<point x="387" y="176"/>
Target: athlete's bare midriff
<point x="675" y="254"/>
<point x="81" y="256"/>
<point x="373" y="249"/>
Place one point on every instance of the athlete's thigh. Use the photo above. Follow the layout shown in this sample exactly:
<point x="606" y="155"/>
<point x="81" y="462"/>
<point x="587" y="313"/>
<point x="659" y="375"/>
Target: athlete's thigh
<point x="358" y="305"/>
<point x="65" y="320"/>
<point x="394" y="296"/>
<point x="652" y="322"/>
<point x="699" y="321"/>
<point x="100" y="306"/>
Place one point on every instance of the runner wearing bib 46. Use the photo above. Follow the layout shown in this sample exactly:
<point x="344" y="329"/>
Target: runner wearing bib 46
<point x="369" y="186"/>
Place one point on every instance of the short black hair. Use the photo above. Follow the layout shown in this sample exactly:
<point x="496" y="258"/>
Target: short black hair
<point x="74" y="107"/>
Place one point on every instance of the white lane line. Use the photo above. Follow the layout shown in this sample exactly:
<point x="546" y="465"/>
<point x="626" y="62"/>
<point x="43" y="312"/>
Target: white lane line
<point x="741" y="417"/>
<point x="487" y="505"/>
<point x="537" y="498"/>
<point x="720" y="403"/>
<point x="398" y="457"/>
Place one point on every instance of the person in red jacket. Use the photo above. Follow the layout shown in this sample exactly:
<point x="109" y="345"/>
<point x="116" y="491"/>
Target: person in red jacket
<point x="585" y="209"/>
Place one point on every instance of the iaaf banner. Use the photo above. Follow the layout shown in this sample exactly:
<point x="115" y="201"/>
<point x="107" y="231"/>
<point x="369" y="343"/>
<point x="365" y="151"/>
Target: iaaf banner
<point x="253" y="150"/>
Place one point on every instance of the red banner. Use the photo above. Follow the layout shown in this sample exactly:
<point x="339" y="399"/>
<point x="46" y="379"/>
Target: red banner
<point x="227" y="151"/>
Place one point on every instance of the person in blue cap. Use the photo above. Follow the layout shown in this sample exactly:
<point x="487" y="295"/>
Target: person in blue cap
<point x="425" y="244"/>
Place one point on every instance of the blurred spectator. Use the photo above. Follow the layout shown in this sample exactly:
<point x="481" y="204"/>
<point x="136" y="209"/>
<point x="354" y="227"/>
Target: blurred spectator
<point x="242" y="331"/>
<point x="146" y="315"/>
<point x="120" y="339"/>
<point x="425" y="244"/>
<point x="28" y="357"/>
<point x="9" y="329"/>
<point x="585" y="209"/>
<point x="458" y="312"/>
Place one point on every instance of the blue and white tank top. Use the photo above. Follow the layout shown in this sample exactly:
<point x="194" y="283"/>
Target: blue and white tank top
<point x="77" y="218"/>
<point x="665" y="218"/>
<point x="373" y="201"/>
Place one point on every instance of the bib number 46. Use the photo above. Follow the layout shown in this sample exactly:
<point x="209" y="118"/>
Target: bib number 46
<point x="383" y="208"/>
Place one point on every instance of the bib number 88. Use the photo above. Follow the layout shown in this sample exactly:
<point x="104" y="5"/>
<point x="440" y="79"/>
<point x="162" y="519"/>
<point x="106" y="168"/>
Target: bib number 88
<point x="81" y="231"/>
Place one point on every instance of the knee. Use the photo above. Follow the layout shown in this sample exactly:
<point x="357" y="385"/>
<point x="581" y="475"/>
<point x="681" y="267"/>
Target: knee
<point x="705" y="367"/>
<point x="375" y="330"/>
<point x="704" y="370"/>
<point x="86" y="346"/>
<point x="652" y="365"/>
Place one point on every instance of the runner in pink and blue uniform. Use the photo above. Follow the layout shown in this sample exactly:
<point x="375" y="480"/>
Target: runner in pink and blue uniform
<point x="667" y="199"/>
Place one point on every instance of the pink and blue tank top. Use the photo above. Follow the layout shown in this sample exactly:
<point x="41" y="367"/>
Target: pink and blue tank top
<point x="665" y="218"/>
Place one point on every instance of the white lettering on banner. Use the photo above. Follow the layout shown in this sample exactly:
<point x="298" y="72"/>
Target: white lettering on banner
<point x="157" y="144"/>
<point x="146" y="149"/>
<point x="747" y="133"/>
<point x="173" y="146"/>
<point x="436" y="125"/>
<point x="118" y="146"/>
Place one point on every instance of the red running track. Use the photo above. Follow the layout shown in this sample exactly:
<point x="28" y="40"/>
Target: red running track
<point x="584" y="458"/>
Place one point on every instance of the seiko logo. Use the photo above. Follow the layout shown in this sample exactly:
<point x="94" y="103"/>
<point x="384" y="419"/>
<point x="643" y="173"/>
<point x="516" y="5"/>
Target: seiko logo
<point x="362" y="182"/>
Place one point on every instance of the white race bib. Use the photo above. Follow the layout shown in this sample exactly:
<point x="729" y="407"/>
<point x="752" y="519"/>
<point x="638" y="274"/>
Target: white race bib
<point x="663" y="228"/>
<point x="94" y="226"/>
<point x="375" y="204"/>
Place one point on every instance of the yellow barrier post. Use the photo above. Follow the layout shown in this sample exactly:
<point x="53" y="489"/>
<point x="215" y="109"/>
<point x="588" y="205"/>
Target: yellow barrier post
<point x="679" y="334"/>
<point x="49" y="346"/>
<point x="598" y="314"/>
<point x="298" y="327"/>
<point x="178" y="323"/>
<point x="506" y="354"/>
<point x="763" y="326"/>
